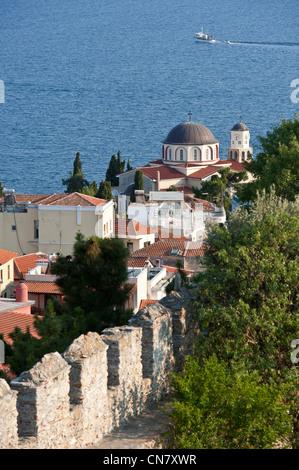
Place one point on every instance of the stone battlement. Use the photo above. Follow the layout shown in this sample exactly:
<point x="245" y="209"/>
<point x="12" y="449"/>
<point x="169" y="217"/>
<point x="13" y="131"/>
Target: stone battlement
<point x="74" y="399"/>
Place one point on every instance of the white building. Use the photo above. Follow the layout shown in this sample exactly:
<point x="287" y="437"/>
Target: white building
<point x="190" y="155"/>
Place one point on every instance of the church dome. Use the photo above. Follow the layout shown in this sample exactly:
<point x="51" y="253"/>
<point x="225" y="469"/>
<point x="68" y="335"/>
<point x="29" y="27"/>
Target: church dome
<point x="190" y="133"/>
<point x="240" y="126"/>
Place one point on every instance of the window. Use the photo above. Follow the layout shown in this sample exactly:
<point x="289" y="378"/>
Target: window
<point x="208" y="154"/>
<point x="169" y="154"/>
<point x="13" y="228"/>
<point x="36" y="229"/>
<point x="181" y="154"/>
<point x="243" y="156"/>
<point x="130" y="246"/>
<point x="194" y="154"/>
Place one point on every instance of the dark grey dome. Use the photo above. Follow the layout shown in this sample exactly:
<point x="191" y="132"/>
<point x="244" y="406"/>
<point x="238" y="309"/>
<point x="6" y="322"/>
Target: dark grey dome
<point x="240" y="126"/>
<point x="190" y="133"/>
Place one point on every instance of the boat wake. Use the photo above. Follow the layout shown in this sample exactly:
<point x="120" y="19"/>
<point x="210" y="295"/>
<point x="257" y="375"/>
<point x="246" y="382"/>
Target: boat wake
<point x="276" y="44"/>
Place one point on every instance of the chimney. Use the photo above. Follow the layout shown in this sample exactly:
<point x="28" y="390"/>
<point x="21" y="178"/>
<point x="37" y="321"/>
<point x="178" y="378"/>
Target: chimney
<point x="158" y="180"/>
<point x="21" y="292"/>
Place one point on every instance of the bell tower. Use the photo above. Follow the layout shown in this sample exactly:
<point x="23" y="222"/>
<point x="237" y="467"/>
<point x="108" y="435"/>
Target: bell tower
<point x="239" y="143"/>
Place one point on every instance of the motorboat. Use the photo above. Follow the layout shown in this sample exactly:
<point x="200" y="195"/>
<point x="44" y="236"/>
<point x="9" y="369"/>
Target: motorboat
<point x="204" y="36"/>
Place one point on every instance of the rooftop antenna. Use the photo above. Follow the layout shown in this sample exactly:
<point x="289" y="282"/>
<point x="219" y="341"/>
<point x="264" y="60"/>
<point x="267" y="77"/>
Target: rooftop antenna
<point x="190" y="114"/>
<point x="240" y="118"/>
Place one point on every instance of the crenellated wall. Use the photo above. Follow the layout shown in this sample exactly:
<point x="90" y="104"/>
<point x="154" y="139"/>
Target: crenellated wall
<point x="72" y="400"/>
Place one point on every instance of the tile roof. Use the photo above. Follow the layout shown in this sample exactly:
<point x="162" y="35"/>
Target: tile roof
<point x="10" y="320"/>
<point x="166" y="172"/>
<point x="204" y="172"/>
<point x="234" y="166"/>
<point x="139" y="262"/>
<point x="207" y="206"/>
<point x="42" y="287"/>
<point x="22" y="264"/>
<point x="61" y="199"/>
<point x="131" y="227"/>
<point x="173" y="269"/>
<point x="163" y="248"/>
<point x="72" y="199"/>
<point x="6" y="256"/>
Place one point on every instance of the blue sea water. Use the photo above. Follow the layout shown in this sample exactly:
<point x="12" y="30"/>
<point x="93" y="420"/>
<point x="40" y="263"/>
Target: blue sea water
<point x="98" y="76"/>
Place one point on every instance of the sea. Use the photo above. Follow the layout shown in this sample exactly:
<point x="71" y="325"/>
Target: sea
<point x="102" y="76"/>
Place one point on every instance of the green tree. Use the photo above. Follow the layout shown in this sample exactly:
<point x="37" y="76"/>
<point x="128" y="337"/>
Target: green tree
<point x="112" y="171"/>
<point x="276" y="165"/>
<point x="104" y="191"/>
<point x="129" y="167"/>
<point x="138" y="184"/>
<point x="217" y="409"/>
<point x="91" y="190"/>
<point x="94" y="279"/>
<point x="76" y="181"/>
<point x="94" y="283"/>
<point x="247" y="298"/>
<point x="120" y="164"/>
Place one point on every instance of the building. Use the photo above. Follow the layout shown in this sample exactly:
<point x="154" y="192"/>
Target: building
<point x="149" y="284"/>
<point x="7" y="272"/>
<point x="17" y="313"/>
<point x="49" y="223"/>
<point x="133" y="233"/>
<point x="239" y="149"/>
<point x="190" y="155"/>
<point x="167" y="252"/>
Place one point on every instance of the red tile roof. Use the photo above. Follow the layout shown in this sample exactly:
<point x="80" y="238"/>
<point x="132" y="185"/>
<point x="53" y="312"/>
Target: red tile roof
<point x="166" y="172"/>
<point x="6" y="256"/>
<point x="10" y="320"/>
<point x="139" y="262"/>
<point x="131" y="227"/>
<point x="207" y="206"/>
<point x="42" y="287"/>
<point x="61" y="199"/>
<point x="163" y="249"/>
<point x="72" y="199"/>
<point x="22" y="264"/>
<point x="234" y="166"/>
<point x="204" y="172"/>
<point x="173" y="269"/>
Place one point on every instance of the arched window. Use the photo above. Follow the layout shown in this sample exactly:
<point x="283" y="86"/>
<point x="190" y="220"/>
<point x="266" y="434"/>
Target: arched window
<point x="195" y="154"/>
<point x="243" y="156"/>
<point x="169" y="154"/>
<point x="181" y="154"/>
<point x="208" y="154"/>
<point x="162" y="151"/>
<point x="236" y="155"/>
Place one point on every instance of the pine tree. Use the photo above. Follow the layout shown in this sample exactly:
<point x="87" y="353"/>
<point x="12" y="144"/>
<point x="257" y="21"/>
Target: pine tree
<point x="104" y="191"/>
<point x="129" y="167"/>
<point x="76" y="182"/>
<point x="138" y="184"/>
<point x="112" y="171"/>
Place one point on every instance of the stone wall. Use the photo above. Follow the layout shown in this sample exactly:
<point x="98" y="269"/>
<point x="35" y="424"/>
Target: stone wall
<point x="72" y="400"/>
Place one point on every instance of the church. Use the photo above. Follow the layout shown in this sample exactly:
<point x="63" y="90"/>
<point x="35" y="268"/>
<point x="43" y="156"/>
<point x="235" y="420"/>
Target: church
<point x="190" y="155"/>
